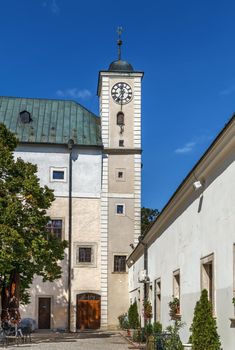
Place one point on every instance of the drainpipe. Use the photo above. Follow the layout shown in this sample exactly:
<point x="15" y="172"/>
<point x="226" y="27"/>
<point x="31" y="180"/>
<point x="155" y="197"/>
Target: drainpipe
<point x="146" y="268"/>
<point x="70" y="148"/>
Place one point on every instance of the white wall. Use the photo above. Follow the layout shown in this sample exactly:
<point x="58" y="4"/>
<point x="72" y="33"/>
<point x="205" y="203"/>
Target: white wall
<point x="86" y="168"/>
<point x="206" y="226"/>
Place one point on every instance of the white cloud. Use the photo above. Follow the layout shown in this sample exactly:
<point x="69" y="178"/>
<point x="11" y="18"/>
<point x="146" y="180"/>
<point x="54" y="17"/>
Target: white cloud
<point x="187" y="148"/>
<point x="74" y="93"/>
<point x="52" y="5"/>
<point x="228" y="91"/>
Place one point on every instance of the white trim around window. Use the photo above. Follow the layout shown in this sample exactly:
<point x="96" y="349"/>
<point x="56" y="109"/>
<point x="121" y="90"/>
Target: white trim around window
<point x="58" y="174"/>
<point x="120" y="209"/>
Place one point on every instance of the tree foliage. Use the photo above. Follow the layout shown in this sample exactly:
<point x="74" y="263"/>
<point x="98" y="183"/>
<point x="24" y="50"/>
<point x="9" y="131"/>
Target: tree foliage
<point x="204" y="330"/>
<point x="26" y="248"/>
<point x="147" y="216"/>
<point x="133" y="316"/>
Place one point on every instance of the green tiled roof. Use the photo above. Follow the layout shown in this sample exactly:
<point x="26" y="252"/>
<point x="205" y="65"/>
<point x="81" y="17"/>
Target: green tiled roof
<point x="53" y="121"/>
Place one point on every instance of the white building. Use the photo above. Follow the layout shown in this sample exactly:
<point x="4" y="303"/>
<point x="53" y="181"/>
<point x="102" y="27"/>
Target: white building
<point x="99" y="160"/>
<point x="191" y="245"/>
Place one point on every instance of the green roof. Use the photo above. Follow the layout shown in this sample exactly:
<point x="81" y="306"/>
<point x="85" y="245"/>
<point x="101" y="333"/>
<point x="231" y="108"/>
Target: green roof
<point x="53" y="121"/>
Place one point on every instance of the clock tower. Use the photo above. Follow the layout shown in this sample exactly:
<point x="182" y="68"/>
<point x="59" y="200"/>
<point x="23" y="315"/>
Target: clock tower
<point x="119" y="91"/>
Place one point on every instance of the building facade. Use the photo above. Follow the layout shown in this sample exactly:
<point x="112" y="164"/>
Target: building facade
<point x="191" y="245"/>
<point x="94" y="166"/>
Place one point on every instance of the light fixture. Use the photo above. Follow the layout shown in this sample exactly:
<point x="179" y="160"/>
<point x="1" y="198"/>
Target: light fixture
<point x="197" y="185"/>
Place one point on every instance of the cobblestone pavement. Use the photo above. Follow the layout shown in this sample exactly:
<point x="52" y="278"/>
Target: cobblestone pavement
<point x="78" y="341"/>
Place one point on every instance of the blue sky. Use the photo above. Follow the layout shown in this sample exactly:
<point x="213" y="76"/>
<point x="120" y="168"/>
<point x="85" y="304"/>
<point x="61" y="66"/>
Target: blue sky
<point x="55" y="49"/>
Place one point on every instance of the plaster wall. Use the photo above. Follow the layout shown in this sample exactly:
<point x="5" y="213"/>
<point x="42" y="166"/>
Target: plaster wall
<point x="86" y="168"/>
<point x="206" y="226"/>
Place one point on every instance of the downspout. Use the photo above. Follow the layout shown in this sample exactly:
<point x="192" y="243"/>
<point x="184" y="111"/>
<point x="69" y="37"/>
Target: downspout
<point x="146" y="268"/>
<point x="70" y="148"/>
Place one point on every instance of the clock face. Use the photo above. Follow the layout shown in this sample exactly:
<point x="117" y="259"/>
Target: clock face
<point x="121" y="93"/>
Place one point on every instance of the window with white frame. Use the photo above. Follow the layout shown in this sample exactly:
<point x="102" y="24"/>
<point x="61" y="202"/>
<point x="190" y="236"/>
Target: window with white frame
<point x="120" y="209"/>
<point x="207" y="276"/>
<point x="58" y="174"/>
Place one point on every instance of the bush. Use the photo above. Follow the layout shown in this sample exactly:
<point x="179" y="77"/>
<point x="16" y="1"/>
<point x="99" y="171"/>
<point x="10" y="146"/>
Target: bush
<point x="123" y="321"/>
<point x="173" y="342"/>
<point x="203" y="328"/>
<point x="157" y="327"/>
<point x="133" y="316"/>
<point x="148" y="329"/>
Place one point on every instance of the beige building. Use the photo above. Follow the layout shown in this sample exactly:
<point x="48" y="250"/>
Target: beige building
<point x="94" y="166"/>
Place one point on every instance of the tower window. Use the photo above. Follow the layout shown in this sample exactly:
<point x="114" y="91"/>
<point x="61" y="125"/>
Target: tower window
<point x="120" y="118"/>
<point x="119" y="263"/>
<point x="120" y="174"/>
<point x="121" y="143"/>
<point x="120" y="209"/>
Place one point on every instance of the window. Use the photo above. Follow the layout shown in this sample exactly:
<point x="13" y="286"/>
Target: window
<point x="120" y="118"/>
<point x="157" y="300"/>
<point x="120" y="209"/>
<point x="58" y="174"/>
<point x="121" y="143"/>
<point x="176" y="285"/>
<point x="25" y="117"/>
<point x="119" y="263"/>
<point x="84" y="254"/>
<point x="55" y="226"/>
<point x="207" y="276"/>
<point x="120" y="175"/>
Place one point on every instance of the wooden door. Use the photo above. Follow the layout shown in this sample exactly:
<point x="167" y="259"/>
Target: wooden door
<point x="44" y="313"/>
<point x="88" y="312"/>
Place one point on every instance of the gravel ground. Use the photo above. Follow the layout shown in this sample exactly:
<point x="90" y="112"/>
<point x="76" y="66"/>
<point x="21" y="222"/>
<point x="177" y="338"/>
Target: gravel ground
<point x="81" y="341"/>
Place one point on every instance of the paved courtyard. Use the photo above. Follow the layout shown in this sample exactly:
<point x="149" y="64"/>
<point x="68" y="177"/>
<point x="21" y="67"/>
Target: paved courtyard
<point x="78" y="341"/>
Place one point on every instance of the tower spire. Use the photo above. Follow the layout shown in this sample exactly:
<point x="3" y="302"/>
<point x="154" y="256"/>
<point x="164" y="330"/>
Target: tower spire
<point x="119" y="42"/>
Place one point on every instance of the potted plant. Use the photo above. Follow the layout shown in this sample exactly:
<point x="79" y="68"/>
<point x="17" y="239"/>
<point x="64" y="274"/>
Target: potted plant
<point x="174" y="306"/>
<point x="147" y="311"/>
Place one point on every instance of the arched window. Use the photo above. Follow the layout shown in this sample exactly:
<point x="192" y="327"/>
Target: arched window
<point x="120" y="118"/>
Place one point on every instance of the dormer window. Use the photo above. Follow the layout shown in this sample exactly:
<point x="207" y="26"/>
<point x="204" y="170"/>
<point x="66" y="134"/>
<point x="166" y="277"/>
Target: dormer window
<point x="25" y="117"/>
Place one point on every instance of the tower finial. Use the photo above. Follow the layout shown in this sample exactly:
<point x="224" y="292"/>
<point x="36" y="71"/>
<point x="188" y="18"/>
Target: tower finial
<point x="119" y="42"/>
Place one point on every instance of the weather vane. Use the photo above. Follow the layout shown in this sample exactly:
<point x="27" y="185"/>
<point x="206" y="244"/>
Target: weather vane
<point x="119" y="42"/>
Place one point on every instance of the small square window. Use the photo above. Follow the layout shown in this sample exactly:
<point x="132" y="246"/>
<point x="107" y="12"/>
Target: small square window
<point x="120" y="209"/>
<point x="58" y="174"/>
<point x="120" y="174"/>
<point x="84" y="254"/>
<point x="121" y="143"/>
<point x="119" y="263"/>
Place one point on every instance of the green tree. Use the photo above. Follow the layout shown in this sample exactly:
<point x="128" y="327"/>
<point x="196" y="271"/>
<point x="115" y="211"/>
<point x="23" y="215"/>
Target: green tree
<point x="147" y="217"/>
<point x="133" y="316"/>
<point x="204" y="329"/>
<point x="26" y="248"/>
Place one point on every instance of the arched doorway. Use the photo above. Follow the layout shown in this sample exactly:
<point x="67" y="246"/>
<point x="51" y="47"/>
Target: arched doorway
<point x="88" y="311"/>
